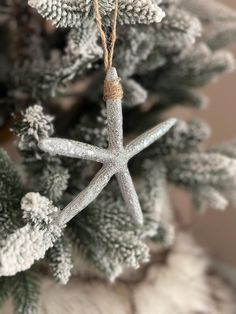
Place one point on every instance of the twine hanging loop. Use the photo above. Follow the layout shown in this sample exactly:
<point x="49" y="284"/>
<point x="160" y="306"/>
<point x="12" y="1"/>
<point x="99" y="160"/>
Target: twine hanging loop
<point x="112" y="89"/>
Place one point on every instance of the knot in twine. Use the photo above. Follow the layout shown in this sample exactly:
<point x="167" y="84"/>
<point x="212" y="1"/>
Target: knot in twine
<point x="112" y="90"/>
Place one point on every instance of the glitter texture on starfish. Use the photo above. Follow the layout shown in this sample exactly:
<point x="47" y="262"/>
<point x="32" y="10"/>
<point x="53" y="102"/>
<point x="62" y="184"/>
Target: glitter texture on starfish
<point x="114" y="159"/>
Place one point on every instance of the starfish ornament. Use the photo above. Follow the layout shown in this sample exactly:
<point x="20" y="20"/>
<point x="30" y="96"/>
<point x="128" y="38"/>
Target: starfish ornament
<point x="114" y="159"/>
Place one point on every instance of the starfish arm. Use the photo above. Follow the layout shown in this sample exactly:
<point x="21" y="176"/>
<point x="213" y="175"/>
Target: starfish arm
<point x="85" y="197"/>
<point x="114" y="115"/>
<point x="70" y="148"/>
<point x="148" y="138"/>
<point x="130" y="196"/>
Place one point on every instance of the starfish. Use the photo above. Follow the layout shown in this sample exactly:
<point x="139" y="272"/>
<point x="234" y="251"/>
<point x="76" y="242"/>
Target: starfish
<point x="114" y="159"/>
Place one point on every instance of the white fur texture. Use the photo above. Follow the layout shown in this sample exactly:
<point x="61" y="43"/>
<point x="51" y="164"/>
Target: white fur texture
<point x="181" y="284"/>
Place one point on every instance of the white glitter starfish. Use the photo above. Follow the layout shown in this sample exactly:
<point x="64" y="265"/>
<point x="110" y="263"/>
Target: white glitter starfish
<point x="114" y="159"/>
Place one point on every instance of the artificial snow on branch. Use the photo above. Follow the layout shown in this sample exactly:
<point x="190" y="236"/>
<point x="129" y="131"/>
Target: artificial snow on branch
<point x="73" y="13"/>
<point x="29" y="243"/>
<point x="108" y="237"/>
<point x="34" y="126"/>
<point x="60" y="259"/>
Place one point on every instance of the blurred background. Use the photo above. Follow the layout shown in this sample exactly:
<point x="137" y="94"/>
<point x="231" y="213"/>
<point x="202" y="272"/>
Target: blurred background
<point x="214" y="230"/>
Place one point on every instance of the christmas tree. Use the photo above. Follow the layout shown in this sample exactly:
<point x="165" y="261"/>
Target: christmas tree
<point x="52" y="109"/>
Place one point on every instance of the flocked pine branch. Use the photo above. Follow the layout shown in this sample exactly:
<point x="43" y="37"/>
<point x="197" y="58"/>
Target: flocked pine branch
<point x="221" y="35"/>
<point x="170" y="96"/>
<point x="202" y="169"/>
<point x="199" y="67"/>
<point x="11" y="192"/>
<point x="23" y="289"/>
<point x="210" y="177"/>
<point x="48" y="175"/>
<point x="144" y="50"/>
<point x="152" y="192"/>
<point x="25" y="293"/>
<point x="53" y="181"/>
<point x="108" y="236"/>
<point x="48" y="77"/>
<point x="205" y="197"/>
<point x="177" y="32"/>
<point x="5" y="288"/>
<point x="33" y="126"/>
<point x="73" y="14"/>
<point x="184" y="137"/>
<point x="60" y="259"/>
<point x="147" y="47"/>
<point x="134" y="93"/>
<point x="227" y="149"/>
<point x="91" y="129"/>
<point x="29" y="243"/>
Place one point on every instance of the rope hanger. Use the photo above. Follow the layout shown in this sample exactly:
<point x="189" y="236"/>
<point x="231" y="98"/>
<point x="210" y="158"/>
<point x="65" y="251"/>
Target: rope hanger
<point x="112" y="89"/>
<point x="107" y="49"/>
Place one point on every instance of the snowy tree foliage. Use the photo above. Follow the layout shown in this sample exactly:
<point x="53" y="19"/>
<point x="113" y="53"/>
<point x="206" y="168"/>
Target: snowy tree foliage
<point x="165" y="51"/>
<point x="60" y="259"/>
<point x="74" y="13"/>
<point x="52" y="179"/>
<point x="29" y="243"/>
<point x="34" y="125"/>
<point x="109" y="237"/>
<point x="24" y="291"/>
<point x="11" y="192"/>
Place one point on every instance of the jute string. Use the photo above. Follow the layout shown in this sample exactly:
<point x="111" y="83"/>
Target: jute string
<point x="112" y="89"/>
